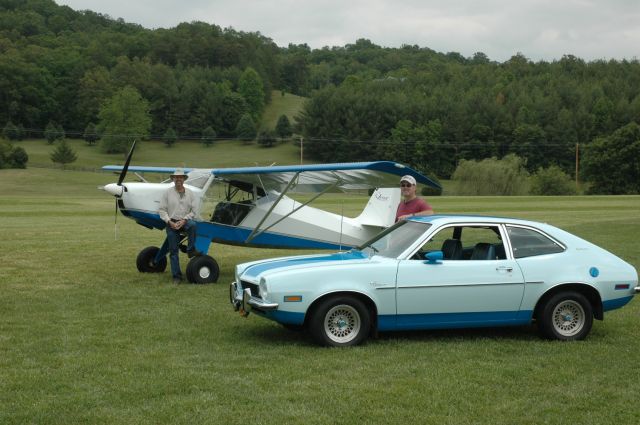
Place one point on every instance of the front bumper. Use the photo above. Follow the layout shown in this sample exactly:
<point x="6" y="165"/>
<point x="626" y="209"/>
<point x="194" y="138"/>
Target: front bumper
<point x="245" y="302"/>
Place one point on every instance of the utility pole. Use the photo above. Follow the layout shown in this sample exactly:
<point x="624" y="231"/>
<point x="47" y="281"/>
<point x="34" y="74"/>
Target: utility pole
<point x="577" y="167"/>
<point x="301" y="150"/>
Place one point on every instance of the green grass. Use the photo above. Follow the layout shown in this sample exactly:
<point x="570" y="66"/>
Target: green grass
<point x="287" y="104"/>
<point x="85" y="338"/>
<point x="224" y="153"/>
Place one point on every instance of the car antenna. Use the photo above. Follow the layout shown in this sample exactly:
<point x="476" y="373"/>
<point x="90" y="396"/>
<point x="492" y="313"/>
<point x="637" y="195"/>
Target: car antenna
<point x="341" y="221"/>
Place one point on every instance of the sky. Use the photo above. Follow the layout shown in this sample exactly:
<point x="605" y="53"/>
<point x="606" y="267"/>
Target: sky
<point x="538" y="29"/>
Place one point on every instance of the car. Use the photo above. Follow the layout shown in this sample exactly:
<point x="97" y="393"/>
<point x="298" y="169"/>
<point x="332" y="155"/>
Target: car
<point x="440" y="272"/>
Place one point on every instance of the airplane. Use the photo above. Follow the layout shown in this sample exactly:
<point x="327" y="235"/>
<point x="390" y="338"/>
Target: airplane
<point x="255" y="210"/>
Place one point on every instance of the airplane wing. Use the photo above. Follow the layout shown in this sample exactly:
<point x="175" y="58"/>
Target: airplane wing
<point x="142" y="169"/>
<point x="312" y="178"/>
<point x="319" y="177"/>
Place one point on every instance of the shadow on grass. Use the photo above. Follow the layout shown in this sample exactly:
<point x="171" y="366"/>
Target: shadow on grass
<point x="516" y="333"/>
<point x="274" y="334"/>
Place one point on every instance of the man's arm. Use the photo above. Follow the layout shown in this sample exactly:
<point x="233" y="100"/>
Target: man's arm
<point x="163" y="209"/>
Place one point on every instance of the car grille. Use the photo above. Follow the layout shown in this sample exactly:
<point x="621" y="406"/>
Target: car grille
<point x="255" y="290"/>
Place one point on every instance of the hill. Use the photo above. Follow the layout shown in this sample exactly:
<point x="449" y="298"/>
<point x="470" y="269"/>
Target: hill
<point x="281" y="103"/>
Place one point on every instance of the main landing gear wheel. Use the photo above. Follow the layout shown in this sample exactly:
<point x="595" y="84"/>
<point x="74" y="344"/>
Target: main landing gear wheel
<point x="203" y="269"/>
<point x="567" y="316"/>
<point x="145" y="263"/>
<point x="340" y="321"/>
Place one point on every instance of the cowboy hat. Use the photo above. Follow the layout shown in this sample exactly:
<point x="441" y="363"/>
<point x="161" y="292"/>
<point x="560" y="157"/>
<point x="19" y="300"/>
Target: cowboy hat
<point x="179" y="172"/>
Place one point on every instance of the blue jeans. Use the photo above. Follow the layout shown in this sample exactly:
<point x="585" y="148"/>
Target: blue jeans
<point x="173" y="239"/>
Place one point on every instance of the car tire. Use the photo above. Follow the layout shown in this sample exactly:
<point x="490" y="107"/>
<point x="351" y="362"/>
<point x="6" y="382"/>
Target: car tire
<point x="145" y="263"/>
<point x="566" y="316"/>
<point x="340" y="322"/>
<point x="203" y="269"/>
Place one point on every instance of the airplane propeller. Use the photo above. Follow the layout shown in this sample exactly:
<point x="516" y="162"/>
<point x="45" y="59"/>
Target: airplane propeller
<point x="116" y="189"/>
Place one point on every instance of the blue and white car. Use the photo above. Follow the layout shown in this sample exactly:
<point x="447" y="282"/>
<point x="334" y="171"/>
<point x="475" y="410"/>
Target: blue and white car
<point x="441" y="272"/>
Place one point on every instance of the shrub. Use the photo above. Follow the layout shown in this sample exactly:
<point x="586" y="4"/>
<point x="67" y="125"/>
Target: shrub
<point x="492" y="176"/>
<point x="551" y="181"/>
<point x="170" y="137"/>
<point x="12" y="157"/>
<point x="283" y="127"/>
<point x="11" y="131"/>
<point x="267" y="139"/>
<point x="90" y="134"/>
<point x="63" y="154"/>
<point x="208" y="136"/>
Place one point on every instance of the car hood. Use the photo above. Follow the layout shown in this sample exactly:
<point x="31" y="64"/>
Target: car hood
<point x="252" y="271"/>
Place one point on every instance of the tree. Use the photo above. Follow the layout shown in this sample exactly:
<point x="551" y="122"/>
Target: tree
<point x="90" y="134"/>
<point x="252" y="90"/>
<point x="63" y="154"/>
<point x="123" y="119"/>
<point x="612" y="164"/>
<point x="551" y="181"/>
<point x="267" y="139"/>
<point x="53" y="132"/>
<point x="208" y="136"/>
<point x="12" y="157"/>
<point x="491" y="176"/>
<point x="283" y="127"/>
<point x="11" y="131"/>
<point x="246" y="129"/>
<point x="170" y="137"/>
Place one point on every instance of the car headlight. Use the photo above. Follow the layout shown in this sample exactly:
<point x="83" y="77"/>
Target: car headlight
<point x="264" y="291"/>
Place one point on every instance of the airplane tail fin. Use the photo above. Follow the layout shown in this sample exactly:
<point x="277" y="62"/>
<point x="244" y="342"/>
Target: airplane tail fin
<point x="381" y="208"/>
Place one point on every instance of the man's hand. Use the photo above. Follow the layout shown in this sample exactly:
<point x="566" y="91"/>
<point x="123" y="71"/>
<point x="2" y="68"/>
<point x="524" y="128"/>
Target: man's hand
<point x="177" y="225"/>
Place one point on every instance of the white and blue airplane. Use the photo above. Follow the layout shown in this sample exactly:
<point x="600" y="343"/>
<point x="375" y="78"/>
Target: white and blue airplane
<point x="254" y="209"/>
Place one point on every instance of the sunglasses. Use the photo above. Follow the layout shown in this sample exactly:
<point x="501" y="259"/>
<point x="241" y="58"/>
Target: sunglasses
<point x="405" y="185"/>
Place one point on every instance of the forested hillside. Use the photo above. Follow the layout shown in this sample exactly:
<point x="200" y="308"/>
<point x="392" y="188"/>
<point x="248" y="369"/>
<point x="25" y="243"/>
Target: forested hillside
<point x="410" y="104"/>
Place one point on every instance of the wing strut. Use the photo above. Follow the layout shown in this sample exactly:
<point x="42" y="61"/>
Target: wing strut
<point x="286" y="189"/>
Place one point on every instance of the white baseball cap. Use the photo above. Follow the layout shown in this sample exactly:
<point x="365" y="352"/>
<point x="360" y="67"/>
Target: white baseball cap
<point x="408" y="179"/>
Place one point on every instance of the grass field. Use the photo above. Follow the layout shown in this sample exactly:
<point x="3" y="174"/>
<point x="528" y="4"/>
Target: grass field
<point x="85" y="338"/>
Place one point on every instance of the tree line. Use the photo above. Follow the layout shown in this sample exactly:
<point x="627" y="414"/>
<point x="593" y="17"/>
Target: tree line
<point x="63" y="68"/>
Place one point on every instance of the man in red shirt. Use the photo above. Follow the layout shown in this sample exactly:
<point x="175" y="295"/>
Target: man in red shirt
<point x="411" y="205"/>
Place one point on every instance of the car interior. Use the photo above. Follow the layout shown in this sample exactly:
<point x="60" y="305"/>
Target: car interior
<point x="467" y="243"/>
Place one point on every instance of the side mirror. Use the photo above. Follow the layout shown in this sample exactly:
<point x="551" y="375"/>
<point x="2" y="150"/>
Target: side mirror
<point x="434" y="257"/>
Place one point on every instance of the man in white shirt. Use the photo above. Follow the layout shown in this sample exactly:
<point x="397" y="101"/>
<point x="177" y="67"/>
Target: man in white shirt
<point x="178" y="209"/>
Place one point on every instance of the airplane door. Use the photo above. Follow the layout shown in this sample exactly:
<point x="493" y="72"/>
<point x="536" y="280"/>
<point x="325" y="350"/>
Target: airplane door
<point x="479" y="286"/>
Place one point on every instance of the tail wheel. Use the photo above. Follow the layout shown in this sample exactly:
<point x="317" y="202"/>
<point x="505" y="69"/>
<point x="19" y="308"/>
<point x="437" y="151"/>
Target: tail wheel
<point x="203" y="269"/>
<point x="567" y="316"/>
<point x="340" y="321"/>
<point x="145" y="261"/>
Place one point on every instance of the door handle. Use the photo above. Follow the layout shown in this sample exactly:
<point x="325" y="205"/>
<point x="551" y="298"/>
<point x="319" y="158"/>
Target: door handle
<point x="504" y="269"/>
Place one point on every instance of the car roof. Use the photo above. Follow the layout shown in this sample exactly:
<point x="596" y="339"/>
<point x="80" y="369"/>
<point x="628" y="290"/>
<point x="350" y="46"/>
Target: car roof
<point x="438" y="219"/>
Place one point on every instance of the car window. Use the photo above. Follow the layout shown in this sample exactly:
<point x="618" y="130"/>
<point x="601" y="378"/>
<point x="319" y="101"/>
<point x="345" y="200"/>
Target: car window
<point x="529" y="243"/>
<point x="396" y="239"/>
<point x="471" y="242"/>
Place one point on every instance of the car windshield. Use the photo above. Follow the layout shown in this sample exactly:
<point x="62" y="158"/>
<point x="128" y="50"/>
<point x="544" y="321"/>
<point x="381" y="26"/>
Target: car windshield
<point x="395" y="240"/>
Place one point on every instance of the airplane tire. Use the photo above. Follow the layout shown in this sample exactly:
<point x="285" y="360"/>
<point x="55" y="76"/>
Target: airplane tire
<point x="145" y="263"/>
<point x="203" y="269"/>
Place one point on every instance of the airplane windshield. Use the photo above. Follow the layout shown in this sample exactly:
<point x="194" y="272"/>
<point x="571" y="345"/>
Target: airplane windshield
<point x="198" y="179"/>
<point x="395" y="240"/>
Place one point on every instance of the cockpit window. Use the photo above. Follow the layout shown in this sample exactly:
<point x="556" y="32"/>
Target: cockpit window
<point x="198" y="178"/>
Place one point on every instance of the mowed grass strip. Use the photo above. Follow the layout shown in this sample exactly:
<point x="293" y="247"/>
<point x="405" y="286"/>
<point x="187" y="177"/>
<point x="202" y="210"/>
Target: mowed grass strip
<point x="85" y="338"/>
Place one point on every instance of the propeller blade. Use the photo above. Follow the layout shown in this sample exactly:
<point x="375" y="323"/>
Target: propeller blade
<point x="115" y="222"/>
<point x="123" y="173"/>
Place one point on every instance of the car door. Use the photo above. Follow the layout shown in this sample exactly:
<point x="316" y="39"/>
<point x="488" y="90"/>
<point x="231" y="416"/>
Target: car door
<point x="482" y="287"/>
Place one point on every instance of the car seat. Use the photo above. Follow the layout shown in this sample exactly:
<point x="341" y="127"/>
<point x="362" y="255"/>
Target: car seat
<point x="452" y="249"/>
<point x="483" y="251"/>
